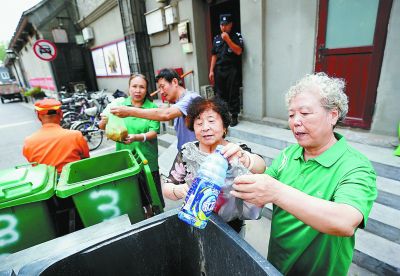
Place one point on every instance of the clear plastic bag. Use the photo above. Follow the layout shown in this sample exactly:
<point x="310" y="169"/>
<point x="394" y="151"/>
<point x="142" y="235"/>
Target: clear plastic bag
<point x="227" y="207"/>
<point x="232" y="208"/>
<point x="115" y="129"/>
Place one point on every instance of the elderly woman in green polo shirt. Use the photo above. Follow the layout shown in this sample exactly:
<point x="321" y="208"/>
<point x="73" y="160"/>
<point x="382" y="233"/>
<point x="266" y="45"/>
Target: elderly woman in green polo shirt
<point x="322" y="189"/>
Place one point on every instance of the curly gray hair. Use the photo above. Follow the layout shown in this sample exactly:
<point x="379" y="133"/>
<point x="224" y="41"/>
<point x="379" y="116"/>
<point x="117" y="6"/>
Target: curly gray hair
<point x="330" y="89"/>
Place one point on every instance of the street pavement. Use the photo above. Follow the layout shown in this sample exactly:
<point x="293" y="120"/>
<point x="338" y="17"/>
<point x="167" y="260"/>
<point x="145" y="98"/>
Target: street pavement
<point x="16" y="122"/>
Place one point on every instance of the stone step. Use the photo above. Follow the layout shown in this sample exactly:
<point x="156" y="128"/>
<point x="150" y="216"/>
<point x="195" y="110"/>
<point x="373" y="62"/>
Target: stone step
<point x="377" y="254"/>
<point x="383" y="221"/>
<point x="166" y="139"/>
<point x="166" y="152"/>
<point x="389" y="192"/>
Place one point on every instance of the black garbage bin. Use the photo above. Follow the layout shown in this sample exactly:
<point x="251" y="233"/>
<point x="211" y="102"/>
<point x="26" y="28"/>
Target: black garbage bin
<point x="162" y="245"/>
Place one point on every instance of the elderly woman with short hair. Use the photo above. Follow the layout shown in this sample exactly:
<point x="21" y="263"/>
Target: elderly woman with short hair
<point x="210" y="119"/>
<point x="322" y="189"/>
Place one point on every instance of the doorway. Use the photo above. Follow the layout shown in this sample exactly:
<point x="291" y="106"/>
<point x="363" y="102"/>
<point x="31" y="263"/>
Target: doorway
<point x="213" y="28"/>
<point x="350" y="45"/>
<point x="212" y="23"/>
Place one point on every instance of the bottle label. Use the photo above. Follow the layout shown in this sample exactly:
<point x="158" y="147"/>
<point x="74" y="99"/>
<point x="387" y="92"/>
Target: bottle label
<point x="200" y="202"/>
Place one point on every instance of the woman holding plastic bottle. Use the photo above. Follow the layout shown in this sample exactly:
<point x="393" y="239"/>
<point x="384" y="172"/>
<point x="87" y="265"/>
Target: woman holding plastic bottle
<point x="210" y="119"/>
<point x="142" y="133"/>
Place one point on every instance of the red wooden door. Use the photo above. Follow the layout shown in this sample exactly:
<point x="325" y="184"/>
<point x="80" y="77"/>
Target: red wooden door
<point x="350" y="44"/>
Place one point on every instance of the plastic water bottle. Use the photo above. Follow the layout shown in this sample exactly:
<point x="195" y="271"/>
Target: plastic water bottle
<point x="202" y="195"/>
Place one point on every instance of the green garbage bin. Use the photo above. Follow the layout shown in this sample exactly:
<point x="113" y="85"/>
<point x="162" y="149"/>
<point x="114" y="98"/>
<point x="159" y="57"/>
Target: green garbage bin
<point x="25" y="219"/>
<point x="103" y="187"/>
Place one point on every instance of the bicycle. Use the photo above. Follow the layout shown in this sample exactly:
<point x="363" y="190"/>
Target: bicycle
<point x="90" y="127"/>
<point x="91" y="131"/>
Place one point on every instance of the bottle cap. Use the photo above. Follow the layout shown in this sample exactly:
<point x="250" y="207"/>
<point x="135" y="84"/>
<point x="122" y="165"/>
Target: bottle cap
<point x="219" y="149"/>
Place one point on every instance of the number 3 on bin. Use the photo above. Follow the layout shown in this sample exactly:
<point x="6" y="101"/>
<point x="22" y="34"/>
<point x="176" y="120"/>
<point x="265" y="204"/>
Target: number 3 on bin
<point x="8" y="234"/>
<point x="107" y="207"/>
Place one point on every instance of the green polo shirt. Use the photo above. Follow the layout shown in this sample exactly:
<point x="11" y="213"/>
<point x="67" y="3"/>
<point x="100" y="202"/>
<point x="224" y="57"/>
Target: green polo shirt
<point x="138" y="125"/>
<point x="341" y="174"/>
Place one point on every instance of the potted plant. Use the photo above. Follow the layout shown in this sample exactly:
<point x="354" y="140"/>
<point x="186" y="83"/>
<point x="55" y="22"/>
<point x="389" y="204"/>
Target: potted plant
<point x="36" y="93"/>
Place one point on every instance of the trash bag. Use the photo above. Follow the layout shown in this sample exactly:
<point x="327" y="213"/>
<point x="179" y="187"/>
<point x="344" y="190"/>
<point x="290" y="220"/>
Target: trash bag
<point x="115" y="129"/>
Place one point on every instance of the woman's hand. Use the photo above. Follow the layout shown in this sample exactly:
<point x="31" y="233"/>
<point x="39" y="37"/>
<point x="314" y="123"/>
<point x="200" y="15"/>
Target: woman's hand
<point x="180" y="191"/>
<point x="233" y="152"/>
<point x="130" y="138"/>
<point x="103" y="122"/>
<point x="258" y="189"/>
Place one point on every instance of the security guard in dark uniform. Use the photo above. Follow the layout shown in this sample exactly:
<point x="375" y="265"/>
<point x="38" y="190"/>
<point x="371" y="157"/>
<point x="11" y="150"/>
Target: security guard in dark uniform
<point x="225" y="65"/>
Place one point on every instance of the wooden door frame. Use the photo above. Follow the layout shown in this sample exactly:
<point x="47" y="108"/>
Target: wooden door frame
<point x="379" y="42"/>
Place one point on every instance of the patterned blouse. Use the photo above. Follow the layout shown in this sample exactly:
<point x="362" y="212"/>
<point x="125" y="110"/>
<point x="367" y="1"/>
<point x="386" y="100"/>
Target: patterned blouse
<point x="185" y="168"/>
<point x="188" y="160"/>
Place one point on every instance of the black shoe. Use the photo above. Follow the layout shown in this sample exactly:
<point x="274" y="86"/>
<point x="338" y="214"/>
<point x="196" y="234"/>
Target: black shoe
<point x="234" y="121"/>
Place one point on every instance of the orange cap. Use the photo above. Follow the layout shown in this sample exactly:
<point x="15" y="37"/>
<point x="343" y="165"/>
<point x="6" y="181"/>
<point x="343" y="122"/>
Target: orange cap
<point x="44" y="106"/>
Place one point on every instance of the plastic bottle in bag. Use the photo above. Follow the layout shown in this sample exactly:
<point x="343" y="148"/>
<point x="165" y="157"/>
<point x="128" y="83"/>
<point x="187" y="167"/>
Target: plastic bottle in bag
<point x="202" y="195"/>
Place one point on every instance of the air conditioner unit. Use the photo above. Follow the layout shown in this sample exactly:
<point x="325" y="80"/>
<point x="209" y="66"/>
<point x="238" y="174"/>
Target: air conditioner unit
<point x="171" y="14"/>
<point x="88" y="33"/>
<point x="155" y="21"/>
<point x="207" y="91"/>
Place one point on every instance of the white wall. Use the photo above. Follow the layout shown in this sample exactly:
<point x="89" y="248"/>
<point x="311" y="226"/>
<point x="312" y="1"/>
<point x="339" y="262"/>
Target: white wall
<point x="387" y="113"/>
<point x="252" y="17"/>
<point x="171" y="55"/>
<point x="86" y="7"/>
<point x="108" y="28"/>
<point x="279" y="38"/>
<point x="290" y="42"/>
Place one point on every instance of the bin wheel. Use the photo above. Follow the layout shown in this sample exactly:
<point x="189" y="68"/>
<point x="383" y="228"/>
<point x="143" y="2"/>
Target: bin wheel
<point x="92" y="134"/>
<point x="26" y="99"/>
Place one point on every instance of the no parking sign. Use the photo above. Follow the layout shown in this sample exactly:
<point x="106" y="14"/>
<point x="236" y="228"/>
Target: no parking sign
<point x="45" y="50"/>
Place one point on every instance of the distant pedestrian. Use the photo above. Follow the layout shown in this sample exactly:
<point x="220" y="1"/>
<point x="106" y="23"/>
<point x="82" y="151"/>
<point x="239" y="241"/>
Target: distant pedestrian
<point x="168" y="82"/>
<point x="225" y="65"/>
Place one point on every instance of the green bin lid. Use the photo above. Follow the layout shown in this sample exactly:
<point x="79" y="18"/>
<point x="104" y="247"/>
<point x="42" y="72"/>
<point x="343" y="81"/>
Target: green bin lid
<point x="397" y="151"/>
<point x="26" y="184"/>
<point x="70" y="183"/>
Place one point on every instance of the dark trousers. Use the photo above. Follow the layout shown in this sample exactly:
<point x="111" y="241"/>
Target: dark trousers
<point x="226" y="86"/>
